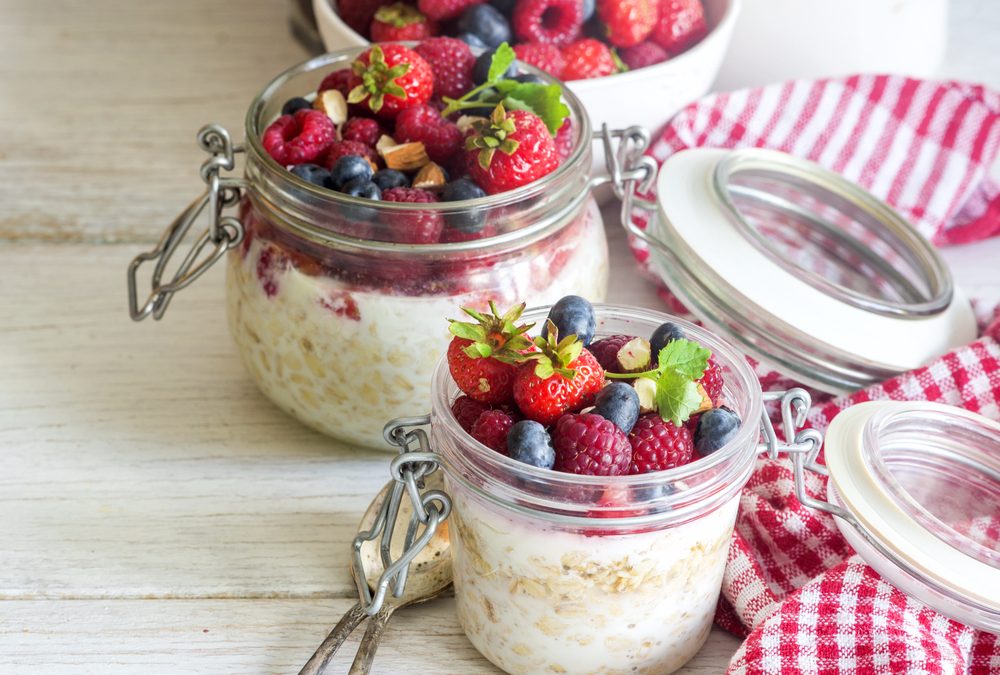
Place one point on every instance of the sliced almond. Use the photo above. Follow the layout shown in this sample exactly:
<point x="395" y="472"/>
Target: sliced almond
<point x="384" y="143"/>
<point x="406" y="156"/>
<point x="646" y="388"/>
<point x="466" y="122"/>
<point x="430" y="177"/>
<point x="333" y="104"/>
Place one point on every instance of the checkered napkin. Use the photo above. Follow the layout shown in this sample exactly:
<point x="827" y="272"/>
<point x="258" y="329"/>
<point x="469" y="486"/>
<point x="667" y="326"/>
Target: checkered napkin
<point x="793" y="586"/>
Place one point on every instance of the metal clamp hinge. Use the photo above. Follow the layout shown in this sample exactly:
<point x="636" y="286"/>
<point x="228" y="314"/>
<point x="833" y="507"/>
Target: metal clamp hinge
<point x="414" y="463"/>
<point x="222" y="233"/>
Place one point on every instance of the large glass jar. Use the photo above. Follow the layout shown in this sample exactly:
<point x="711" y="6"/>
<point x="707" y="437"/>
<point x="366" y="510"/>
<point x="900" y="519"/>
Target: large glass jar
<point x="340" y="321"/>
<point x="557" y="572"/>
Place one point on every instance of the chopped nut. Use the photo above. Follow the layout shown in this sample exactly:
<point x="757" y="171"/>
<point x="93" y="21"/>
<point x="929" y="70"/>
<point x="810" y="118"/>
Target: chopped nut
<point x="430" y="177"/>
<point x="646" y="388"/>
<point x="634" y="356"/>
<point x="706" y="402"/>
<point x="466" y="122"/>
<point x="385" y="142"/>
<point x="405" y="156"/>
<point x="333" y="104"/>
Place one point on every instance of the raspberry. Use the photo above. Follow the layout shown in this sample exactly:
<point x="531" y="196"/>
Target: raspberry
<point x="270" y="264"/>
<point x="451" y="61"/>
<point x="545" y="57"/>
<point x="628" y="22"/>
<point x="466" y="411"/>
<point x="358" y="13"/>
<point x="564" y="140"/>
<point x="555" y="22"/>
<point x="344" y="148"/>
<point x="362" y="130"/>
<point x="415" y="226"/>
<point x="681" y="23"/>
<point x="379" y="87"/>
<point x="339" y="80"/>
<point x="590" y="445"/>
<point x="491" y="430"/>
<point x="712" y="381"/>
<point x="442" y="10"/>
<point x="400" y="21"/>
<point x="587" y="58"/>
<point x="441" y="137"/>
<point x="496" y="169"/>
<point x="299" y="138"/>
<point x="645" y="54"/>
<point x="606" y="350"/>
<point x="658" y="445"/>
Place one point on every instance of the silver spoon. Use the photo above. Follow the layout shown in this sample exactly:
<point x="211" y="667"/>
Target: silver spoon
<point x="429" y="575"/>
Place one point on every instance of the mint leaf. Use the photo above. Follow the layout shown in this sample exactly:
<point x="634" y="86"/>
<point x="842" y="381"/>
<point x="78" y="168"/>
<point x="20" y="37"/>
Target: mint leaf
<point x="503" y="58"/>
<point x="685" y="357"/>
<point x="544" y="100"/>
<point x="676" y="396"/>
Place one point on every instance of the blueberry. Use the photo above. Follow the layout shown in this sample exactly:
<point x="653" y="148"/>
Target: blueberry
<point x="649" y="493"/>
<point x="573" y="315"/>
<point x="506" y="7"/>
<point x="346" y="169"/>
<point x="619" y="403"/>
<point x="386" y="179"/>
<point x="663" y="336"/>
<point x="529" y="78"/>
<point x="311" y="173"/>
<point x="472" y="40"/>
<point x="486" y="23"/>
<point x="470" y="221"/>
<point x="529" y="442"/>
<point x="293" y="105"/>
<point x="481" y="70"/>
<point x="715" y="428"/>
<point x="362" y="187"/>
<point x="589" y="6"/>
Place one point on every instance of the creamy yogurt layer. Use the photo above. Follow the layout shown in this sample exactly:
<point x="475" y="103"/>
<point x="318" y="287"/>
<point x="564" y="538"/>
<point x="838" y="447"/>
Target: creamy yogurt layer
<point x="540" y="599"/>
<point x="346" y="360"/>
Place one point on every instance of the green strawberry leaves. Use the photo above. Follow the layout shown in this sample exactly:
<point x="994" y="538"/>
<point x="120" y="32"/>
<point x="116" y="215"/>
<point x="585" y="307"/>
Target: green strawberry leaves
<point x="493" y="335"/>
<point x="377" y="80"/>
<point x="679" y="366"/>
<point x="555" y="355"/>
<point x="544" y="100"/>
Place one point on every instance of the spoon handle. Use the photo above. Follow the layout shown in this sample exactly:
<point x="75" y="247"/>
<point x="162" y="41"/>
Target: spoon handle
<point x="369" y="643"/>
<point x="321" y="657"/>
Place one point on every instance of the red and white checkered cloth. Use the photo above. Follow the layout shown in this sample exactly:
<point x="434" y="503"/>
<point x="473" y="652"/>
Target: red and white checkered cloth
<point x="793" y="586"/>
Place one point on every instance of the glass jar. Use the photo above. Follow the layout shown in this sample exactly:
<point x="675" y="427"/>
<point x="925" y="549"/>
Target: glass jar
<point x="556" y="572"/>
<point x="339" y="322"/>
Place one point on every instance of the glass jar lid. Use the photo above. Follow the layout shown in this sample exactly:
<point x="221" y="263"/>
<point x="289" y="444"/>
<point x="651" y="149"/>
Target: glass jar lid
<point x="919" y="484"/>
<point x="802" y="268"/>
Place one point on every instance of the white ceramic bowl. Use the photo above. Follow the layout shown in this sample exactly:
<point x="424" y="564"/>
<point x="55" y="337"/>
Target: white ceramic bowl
<point x="647" y="97"/>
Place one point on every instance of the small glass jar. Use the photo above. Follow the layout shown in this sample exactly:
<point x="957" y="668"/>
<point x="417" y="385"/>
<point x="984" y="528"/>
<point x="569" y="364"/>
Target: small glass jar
<point x="556" y="572"/>
<point x="338" y="321"/>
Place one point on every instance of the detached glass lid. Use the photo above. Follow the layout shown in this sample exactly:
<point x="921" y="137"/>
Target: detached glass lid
<point x="802" y="268"/>
<point x="916" y="488"/>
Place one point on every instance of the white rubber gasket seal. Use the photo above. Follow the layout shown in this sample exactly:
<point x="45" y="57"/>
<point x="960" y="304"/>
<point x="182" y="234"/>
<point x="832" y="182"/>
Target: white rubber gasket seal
<point x="688" y="205"/>
<point x="861" y="494"/>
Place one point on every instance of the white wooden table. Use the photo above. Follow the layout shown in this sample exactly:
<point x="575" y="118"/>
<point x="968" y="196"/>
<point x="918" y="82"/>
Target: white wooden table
<point x="156" y="513"/>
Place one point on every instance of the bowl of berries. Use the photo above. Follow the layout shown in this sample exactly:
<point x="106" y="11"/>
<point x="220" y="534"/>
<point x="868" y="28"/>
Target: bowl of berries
<point x="593" y="456"/>
<point x="653" y="56"/>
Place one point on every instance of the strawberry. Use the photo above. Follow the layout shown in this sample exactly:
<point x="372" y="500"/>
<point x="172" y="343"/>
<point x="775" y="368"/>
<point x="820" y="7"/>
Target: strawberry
<point x="680" y="24"/>
<point x="483" y="356"/>
<point x="588" y="58"/>
<point x="509" y="150"/>
<point x="443" y="10"/>
<point x="561" y="376"/>
<point x="628" y="22"/>
<point x="389" y="78"/>
<point x="400" y="21"/>
<point x="545" y="57"/>
<point x="358" y="13"/>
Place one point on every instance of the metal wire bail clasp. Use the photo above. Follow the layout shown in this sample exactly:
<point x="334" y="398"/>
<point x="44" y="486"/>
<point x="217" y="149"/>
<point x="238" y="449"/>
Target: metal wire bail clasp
<point x="415" y="462"/>
<point x="222" y="233"/>
<point x="801" y="445"/>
